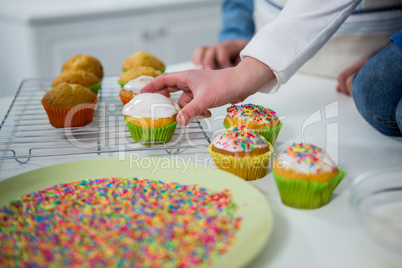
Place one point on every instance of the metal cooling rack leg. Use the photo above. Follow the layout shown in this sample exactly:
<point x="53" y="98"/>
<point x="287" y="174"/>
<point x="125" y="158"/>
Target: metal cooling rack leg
<point x="15" y="156"/>
<point x="203" y="131"/>
<point x="173" y="151"/>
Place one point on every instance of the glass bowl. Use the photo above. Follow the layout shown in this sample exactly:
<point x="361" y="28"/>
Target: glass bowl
<point x="376" y="197"/>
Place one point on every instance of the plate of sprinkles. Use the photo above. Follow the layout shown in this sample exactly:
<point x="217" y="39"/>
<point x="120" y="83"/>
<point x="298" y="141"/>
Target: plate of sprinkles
<point x="113" y="213"/>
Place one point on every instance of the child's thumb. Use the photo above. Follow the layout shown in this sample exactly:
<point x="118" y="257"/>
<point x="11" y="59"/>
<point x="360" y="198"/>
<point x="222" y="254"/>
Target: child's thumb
<point x="188" y="113"/>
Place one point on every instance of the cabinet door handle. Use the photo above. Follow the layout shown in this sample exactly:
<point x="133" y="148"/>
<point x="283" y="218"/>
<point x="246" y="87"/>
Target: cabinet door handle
<point x="147" y="35"/>
<point x="162" y="31"/>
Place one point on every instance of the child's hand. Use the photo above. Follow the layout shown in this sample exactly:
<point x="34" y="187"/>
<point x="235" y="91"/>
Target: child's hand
<point x="205" y="89"/>
<point x="222" y="55"/>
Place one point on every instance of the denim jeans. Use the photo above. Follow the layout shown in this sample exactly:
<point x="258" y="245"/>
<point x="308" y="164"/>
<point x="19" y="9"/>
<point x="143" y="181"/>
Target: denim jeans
<point x="377" y="91"/>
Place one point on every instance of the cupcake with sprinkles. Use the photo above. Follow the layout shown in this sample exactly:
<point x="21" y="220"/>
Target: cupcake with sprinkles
<point x="241" y="151"/>
<point x="261" y="119"/>
<point x="306" y="176"/>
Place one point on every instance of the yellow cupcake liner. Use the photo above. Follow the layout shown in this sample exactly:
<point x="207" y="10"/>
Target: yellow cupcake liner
<point x="270" y="134"/>
<point x="151" y="136"/>
<point x="307" y="194"/>
<point x="247" y="168"/>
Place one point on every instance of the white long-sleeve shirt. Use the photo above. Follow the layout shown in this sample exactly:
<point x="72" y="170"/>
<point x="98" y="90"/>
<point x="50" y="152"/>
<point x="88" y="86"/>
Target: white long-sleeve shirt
<point x="298" y="32"/>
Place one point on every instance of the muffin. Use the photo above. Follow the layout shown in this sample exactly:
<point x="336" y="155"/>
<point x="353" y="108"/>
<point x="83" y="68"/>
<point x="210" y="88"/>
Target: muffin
<point x="84" y="62"/>
<point x="263" y="120"/>
<point x="82" y="77"/>
<point x="69" y="105"/>
<point x="306" y="176"/>
<point x="135" y="72"/>
<point x="241" y="151"/>
<point x="133" y="87"/>
<point x="151" y="118"/>
<point x="143" y="58"/>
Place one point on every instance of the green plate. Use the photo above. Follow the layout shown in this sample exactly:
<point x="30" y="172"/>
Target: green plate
<point x="253" y="206"/>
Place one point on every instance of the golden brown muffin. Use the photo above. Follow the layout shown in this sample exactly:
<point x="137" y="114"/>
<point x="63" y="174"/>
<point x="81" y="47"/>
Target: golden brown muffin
<point x="126" y="94"/>
<point x="84" y="62"/>
<point x="81" y="77"/>
<point x="142" y="58"/>
<point x="67" y="96"/>
<point x="149" y="122"/>
<point x="137" y="72"/>
<point x="69" y="105"/>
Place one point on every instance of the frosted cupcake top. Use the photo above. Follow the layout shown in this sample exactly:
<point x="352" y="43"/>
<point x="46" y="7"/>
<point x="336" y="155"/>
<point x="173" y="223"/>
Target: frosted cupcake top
<point x="137" y="84"/>
<point x="151" y="105"/>
<point x="305" y="158"/>
<point x="239" y="139"/>
<point x="256" y="113"/>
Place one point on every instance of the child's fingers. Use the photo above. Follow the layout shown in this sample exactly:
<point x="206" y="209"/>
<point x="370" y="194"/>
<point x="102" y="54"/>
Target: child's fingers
<point x="349" y="85"/>
<point x="198" y="55"/>
<point x="345" y="78"/>
<point x="209" y="60"/>
<point x="171" y="82"/>
<point x="195" y="108"/>
<point x="185" y="98"/>
<point x="223" y="56"/>
<point x="206" y="113"/>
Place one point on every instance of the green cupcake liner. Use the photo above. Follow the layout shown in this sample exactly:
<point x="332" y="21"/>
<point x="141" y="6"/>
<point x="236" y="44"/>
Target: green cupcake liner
<point x="161" y="70"/>
<point x="121" y="83"/>
<point x="140" y="134"/>
<point x="307" y="194"/>
<point x="270" y="134"/>
<point x="94" y="88"/>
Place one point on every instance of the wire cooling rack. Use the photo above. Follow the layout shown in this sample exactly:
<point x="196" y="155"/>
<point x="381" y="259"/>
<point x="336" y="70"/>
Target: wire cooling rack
<point x="25" y="132"/>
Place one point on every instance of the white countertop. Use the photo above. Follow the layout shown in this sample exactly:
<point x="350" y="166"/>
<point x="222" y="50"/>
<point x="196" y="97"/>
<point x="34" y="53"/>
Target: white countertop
<point x="309" y="108"/>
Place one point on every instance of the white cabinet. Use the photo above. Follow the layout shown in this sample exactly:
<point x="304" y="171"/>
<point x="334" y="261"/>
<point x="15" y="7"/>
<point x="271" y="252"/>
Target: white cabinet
<point x="37" y="44"/>
<point x="174" y="36"/>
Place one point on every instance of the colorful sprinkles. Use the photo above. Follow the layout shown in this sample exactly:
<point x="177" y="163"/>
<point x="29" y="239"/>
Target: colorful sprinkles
<point x="240" y="136"/>
<point x="253" y="112"/>
<point x="310" y="154"/>
<point x="117" y="222"/>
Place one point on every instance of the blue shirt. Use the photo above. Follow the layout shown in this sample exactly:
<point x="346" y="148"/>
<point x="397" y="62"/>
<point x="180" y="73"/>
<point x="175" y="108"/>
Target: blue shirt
<point x="237" y="20"/>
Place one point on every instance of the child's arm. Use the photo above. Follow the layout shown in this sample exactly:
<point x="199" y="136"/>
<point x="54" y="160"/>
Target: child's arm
<point x="205" y="89"/>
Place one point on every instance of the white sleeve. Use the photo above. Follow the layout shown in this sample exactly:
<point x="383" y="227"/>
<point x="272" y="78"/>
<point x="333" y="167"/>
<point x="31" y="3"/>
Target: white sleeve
<point x="299" y="31"/>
